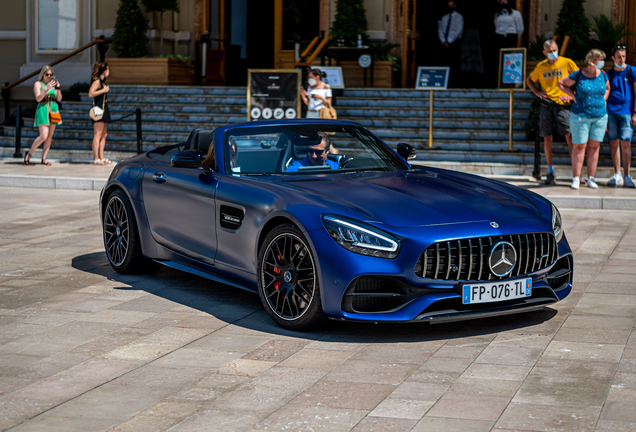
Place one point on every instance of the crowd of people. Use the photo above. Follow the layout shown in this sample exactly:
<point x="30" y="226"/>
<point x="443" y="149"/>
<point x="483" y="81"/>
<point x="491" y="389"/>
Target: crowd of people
<point x="584" y="104"/>
<point x="48" y="94"/>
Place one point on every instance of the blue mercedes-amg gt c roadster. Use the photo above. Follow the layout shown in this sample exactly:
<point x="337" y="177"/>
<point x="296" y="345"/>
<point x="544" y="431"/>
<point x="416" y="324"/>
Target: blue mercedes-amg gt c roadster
<point x="323" y="220"/>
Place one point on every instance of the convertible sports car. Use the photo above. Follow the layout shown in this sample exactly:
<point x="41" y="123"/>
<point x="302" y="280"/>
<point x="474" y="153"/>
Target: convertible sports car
<point x="360" y="235"/>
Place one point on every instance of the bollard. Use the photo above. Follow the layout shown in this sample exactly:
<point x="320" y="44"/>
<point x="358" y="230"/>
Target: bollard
<point x="18" y="132"/>
<point x="138" y="122"/>
<point x="6" y="96"/>
<point x="536" y="172"/>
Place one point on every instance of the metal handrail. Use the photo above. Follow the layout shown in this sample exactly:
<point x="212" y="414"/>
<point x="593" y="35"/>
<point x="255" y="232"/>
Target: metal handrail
<point x="60" y="60"/>
<point x="316" y="52"/>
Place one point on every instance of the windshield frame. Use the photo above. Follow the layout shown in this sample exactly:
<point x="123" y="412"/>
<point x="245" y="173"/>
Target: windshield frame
<point x="391" y="160"/>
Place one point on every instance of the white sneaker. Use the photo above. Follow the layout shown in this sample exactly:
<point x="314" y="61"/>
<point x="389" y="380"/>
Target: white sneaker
<point x="591" y="183"/>
<point x="627" y="182"/>
<point x="576" y="181"/>
<point x="615" y="180"/>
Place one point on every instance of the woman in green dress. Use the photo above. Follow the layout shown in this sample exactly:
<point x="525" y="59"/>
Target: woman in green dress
<point x="47" y="93"/>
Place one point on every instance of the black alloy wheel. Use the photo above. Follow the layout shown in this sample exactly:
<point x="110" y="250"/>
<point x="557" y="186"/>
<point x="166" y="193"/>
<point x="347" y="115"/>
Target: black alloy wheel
<point x="121" y="237"/>
<point x="288" y="281"/>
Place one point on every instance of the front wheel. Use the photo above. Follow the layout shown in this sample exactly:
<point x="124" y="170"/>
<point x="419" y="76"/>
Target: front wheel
<point x="288" y="280"/>
<point x="121" y="237"/>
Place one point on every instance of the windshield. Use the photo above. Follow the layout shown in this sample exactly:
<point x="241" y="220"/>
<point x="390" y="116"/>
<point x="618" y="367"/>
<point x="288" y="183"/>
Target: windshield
<point x="306" y="149"/>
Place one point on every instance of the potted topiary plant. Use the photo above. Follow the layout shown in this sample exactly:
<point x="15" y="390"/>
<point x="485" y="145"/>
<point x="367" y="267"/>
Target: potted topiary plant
<point x="132" y="66"/>
<point x="350" y="22"/>
<point x="573" y="22"/>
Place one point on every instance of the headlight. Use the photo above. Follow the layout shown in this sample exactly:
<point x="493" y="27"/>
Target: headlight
<point x="557" y="224"/>
<point x="361" y="238"/>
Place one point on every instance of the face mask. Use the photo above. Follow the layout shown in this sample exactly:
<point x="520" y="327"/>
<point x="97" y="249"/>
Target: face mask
<point x="623" y="66"/>
<point x="312" y="82"/>
<point x="554" y="55"/>
<point x="600" y="64"/>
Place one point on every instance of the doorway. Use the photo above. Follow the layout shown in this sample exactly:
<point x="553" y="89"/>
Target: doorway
<point x="479" y="55"/>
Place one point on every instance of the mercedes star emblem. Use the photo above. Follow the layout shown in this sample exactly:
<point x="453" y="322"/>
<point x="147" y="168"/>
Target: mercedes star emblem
<point x="503" y="258"/>
<point x="494" y="224"/>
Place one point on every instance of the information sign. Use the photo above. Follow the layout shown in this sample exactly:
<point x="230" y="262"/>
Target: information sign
<point x="334" y="76"/>
<point x="512" y="69"/>
<point x="273" y="94"/>
<point x="432" y="78"/>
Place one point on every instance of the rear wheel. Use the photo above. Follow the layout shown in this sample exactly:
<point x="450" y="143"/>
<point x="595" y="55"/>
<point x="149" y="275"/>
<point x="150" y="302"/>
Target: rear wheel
<point x="121" y="237"/>
<point x="288" y="281"/>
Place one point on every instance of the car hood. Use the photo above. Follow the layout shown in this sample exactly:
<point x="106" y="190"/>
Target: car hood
<point x="419" y="197"/>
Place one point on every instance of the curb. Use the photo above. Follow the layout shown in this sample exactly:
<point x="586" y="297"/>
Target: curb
<point x="78" y="183"/>
<point x="42" y="182"/>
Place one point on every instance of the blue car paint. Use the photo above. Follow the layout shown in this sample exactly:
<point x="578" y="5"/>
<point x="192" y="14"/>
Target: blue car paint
<point x="419" y="207"/>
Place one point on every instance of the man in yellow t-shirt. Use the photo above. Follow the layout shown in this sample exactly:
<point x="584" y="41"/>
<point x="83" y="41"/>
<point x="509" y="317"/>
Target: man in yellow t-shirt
<point x="553" y="109"/>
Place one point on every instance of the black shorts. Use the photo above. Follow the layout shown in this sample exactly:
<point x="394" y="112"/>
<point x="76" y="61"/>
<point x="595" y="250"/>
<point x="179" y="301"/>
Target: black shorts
<point x="552" y="114"/>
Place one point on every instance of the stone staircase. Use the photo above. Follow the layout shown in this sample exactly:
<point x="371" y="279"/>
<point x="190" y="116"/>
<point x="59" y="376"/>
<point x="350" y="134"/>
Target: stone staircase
<point x="470" y="126"/>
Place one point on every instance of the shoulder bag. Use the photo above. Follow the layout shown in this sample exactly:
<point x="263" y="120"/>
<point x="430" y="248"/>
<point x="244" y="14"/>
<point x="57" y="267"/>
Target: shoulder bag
<point x="328" y="112"/>
<point x="96" y="113"/>
<point x="54" y="116"/>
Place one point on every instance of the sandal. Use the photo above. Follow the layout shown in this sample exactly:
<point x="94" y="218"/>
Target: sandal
<point x="27" y="159"/>
<point x="98" y="162"/>
<point x="106" y="161"/>
<point x="45" y="162"/>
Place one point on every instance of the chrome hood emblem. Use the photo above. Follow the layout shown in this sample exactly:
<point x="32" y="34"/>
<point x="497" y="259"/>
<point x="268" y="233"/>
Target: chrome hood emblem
<point x="503" y="258"/>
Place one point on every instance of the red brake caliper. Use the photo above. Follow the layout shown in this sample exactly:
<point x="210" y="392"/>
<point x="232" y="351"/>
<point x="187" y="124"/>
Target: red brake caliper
<point x="276" y="271"/>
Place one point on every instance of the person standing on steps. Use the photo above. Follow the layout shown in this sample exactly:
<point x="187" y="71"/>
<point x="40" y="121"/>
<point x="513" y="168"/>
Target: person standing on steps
<point x="544" y="83"/>
<point x="450" y="30"/>
<point x="47" y="93"/>
<point x="621" y="116"/>
<point x="588" y="121"/>
<point x="98" y="92"/>
<point x="508" y="25"/>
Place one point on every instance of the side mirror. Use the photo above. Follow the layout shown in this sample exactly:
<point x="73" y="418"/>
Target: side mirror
<point x="406" y="151"/>
<point x="186" y="159"/>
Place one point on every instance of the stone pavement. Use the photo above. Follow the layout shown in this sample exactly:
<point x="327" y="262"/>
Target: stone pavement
<point x="83" y="348"/>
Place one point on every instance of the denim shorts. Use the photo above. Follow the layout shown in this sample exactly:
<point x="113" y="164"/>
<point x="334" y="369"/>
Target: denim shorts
<point x="619" y="126"/>
<point x="584" y="128"/>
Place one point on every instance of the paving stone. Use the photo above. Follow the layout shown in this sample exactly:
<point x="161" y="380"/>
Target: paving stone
<point x="383" y="424"/>
<point x="469" y="406"/>
<point x="563" y="391"/>
<point x="440" y="424"/>
<point x="299" y="418"/>
<point x="542" y="417"/>
<point x="373" y="373"/>
<point x="246" y="367"/>
<point x="583" y="351"/>
<point x="359" y="396"/>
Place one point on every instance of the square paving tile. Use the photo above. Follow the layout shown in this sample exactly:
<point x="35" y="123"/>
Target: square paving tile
<point x="359" y="396"/>
<point x="469" y="406"/>
<point x="541" y="417"/>
<point x="300" y="418"/>
<point x="563" y="391"/>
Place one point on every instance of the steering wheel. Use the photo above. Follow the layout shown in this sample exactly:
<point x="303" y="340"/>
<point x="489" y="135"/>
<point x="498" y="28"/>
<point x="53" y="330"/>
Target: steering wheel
<point x="344" y="162"/>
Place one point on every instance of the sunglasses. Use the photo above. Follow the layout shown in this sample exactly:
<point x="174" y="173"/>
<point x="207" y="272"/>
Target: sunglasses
<point x="48" y="74"/>
<point x="620" y="47"/>
<point x="316" y="152"/>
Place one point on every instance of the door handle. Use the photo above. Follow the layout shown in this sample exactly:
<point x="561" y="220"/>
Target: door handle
<point x="159" y="177"/>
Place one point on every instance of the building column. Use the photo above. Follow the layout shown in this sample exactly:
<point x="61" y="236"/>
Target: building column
<point x="619" y="12"/>
<point x="325" y="16"/>
<point x="534" y="20"/>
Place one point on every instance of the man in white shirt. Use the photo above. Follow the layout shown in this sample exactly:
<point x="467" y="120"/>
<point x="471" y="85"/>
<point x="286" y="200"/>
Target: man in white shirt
<point x="450" y="29"/>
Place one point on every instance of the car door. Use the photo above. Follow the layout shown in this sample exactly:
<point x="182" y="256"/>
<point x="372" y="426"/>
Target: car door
<point x="180" y="205"/>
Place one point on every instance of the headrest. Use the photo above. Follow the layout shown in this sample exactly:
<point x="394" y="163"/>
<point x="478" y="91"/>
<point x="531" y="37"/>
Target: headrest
<point x="200" y="140"/>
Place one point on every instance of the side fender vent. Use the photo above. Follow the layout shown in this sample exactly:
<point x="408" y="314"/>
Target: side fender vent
<point x="231" y="217"/>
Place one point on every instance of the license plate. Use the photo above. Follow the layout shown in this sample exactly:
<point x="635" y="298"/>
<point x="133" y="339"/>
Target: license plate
<point x="489" y="292"/>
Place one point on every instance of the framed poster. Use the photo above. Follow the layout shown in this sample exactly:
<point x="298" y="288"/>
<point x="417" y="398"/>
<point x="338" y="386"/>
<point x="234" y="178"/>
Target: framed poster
<point x="432" y="78"/>
<point x="273" y="94"/>
<point x="334" y="76"/>
<point x="512" y="69"/>
<point x="57" y="25"/>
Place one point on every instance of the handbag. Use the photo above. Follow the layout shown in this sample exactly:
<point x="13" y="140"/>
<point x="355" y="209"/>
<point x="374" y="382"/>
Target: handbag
<point x="54" y="116"/>
<point x="96" y="113"/>
<point x="328" y="112"/>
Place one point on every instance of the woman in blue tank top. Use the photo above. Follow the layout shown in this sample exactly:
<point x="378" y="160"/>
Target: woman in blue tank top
<point x="588" y="120"/>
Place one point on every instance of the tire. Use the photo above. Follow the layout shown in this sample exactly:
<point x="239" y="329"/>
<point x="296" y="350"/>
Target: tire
<point x="287" y="280"/>
<point x="121" y="237"/>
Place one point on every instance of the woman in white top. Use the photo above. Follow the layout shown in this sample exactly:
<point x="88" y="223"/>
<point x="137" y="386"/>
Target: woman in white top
<point x="508" y="25"/>
<point x="318" y="95"/>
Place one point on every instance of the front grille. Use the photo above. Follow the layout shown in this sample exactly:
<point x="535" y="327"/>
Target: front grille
<point x="467" y="259"/>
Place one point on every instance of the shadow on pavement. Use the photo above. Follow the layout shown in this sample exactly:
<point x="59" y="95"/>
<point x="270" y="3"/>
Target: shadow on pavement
<point x="244" y="309"/>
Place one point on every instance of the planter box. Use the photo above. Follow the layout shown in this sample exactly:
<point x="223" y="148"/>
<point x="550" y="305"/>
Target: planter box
<point x="161" y="71"/>
<point x="353" y="73"/>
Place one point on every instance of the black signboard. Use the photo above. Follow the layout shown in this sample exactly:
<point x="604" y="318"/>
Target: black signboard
<point x="512" y="69"/>
<point x="273" y="94"/>
<point x="432" y="78"/>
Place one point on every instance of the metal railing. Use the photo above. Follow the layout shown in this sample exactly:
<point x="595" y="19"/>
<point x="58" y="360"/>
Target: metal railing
<point x="102" y="46"/>
<point x="18" y="129"/>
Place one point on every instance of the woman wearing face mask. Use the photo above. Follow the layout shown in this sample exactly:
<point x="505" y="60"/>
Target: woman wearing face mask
<point x="588" y="119"/>
<point x="508" y="25"/>
<point x="318" y="94"/>
<point x="98" y="92"/>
